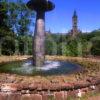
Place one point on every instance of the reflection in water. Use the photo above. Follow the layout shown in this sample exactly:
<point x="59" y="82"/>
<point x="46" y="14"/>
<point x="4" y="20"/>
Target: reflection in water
<point x="49" y="68"/>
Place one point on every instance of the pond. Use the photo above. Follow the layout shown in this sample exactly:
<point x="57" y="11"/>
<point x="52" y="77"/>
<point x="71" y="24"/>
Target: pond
<point x="49" y="68"/>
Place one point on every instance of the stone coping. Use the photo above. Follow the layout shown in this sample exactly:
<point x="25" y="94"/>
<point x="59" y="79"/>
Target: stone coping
<point x="52" y="86"/>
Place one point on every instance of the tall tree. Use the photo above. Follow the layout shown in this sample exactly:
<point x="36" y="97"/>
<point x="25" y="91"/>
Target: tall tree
<point x="19" y="20"/>
<point x="5" y="33"/>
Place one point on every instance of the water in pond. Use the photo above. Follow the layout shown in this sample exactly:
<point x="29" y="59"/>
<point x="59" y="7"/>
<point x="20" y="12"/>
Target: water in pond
<point x="49" y="68"/>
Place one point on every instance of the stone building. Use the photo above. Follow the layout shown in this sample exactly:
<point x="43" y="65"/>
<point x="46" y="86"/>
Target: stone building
<point x="74" y="31"/>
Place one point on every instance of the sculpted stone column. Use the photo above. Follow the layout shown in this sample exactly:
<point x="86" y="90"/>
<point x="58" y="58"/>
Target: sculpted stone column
<point x="40" y="6"/>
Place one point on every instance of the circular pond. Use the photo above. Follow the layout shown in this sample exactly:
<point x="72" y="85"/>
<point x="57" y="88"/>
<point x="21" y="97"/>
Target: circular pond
<point x="49" y="68"/>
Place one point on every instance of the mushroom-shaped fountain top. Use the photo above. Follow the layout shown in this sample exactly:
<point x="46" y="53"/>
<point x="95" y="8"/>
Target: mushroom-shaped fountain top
<point x="40" y="5"/>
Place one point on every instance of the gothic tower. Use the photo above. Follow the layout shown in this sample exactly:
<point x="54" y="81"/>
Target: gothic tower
<point x="74" y="22"/>
<point x="74" y="32"/>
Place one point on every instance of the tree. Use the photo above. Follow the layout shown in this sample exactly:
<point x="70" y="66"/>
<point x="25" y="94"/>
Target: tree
<point x="96" y="48"/>
<point x="16" y="28"/>
<point x="6" y="35"/>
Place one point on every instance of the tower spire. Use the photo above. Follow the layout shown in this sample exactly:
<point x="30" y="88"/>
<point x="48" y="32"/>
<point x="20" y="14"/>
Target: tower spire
<point x="74" y="32"/>
<point x="75" y="13"/>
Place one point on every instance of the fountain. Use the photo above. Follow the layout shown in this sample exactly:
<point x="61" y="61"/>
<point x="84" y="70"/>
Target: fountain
<point x="40" y="6"/>
<point x="48" y="67"/>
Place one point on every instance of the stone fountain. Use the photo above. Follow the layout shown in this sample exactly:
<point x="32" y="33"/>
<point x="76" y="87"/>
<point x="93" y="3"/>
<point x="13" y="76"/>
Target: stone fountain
<point x="40" y="6"/>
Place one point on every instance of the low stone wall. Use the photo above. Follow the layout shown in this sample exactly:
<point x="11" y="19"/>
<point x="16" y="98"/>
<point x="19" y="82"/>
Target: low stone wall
<point x="12" y="88"/>
<point x="50" y="91"/>
<point x="18" y="96"/>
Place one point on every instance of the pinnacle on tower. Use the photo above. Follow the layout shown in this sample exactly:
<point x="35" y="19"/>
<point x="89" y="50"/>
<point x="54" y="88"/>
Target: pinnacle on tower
<point x="75" y="14"/>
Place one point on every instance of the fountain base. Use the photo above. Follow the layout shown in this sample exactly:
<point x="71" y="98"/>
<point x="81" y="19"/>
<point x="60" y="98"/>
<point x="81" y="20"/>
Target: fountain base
<point x="49" y="68"/>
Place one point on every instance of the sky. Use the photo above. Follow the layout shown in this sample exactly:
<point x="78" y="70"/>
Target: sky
<point x="60" y="19"/>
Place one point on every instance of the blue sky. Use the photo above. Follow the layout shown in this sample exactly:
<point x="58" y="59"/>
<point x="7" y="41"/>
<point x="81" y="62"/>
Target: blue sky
<point x="60" y="19"/>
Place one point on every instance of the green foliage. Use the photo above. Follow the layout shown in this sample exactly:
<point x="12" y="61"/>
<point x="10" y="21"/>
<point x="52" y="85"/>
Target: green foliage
<point x="96" y="47"/>
<point x="83" y="45"/>
<point x="8" y="46"/>
<point x="6" y="35"/>
<point x="15" y="19"/>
